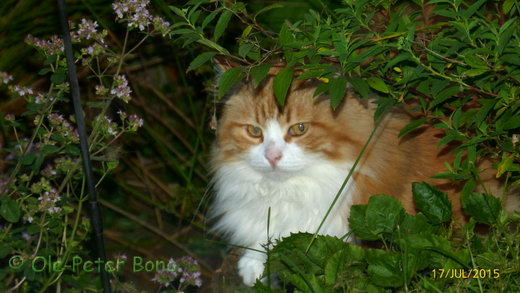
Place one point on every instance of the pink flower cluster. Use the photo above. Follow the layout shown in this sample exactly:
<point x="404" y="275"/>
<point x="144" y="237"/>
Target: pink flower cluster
<point x="5" y="78"/>
<point x="185" y="269"/>
<point x="54" y="46"/>
<point x="136" y="13"/>
<point x="121" y="88"/>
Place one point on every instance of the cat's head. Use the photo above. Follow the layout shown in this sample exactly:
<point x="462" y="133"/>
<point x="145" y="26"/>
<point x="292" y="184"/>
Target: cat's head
<point x="280" y="140"/>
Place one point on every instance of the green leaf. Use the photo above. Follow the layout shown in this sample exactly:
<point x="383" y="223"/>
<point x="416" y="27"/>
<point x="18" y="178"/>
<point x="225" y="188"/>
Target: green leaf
<point x="360" y="85"/>
<point x="482" y="207"/>
<point x="282" y="83"/>
<point x="58" y="77"/>
<point x="258" y="73"/>
<point x="472" y="9"/>
<point x="433" y="203"/>
<point x="384" y="268"/>
<point x="244" y="49"/>
<point x="512" y="123"/>
<point x="412" y="126"/>
<point x="177" y="11"/>
<point x="507" y="5"/>
<point x="9" y="209"/>
<point x="444" y="95"/>
<point x="267" y="8"/>
<point x="383" y="214"/>
<point x="475" y="72"/>
<point x="209" y="19"/>
<point x="222" y="24"/>
<point x="378" y="84"/>
<point x="358" y="225"/>
<point x="200" y="60"/>
<point x="285" y="36"/>
<point x="28" y="158"/>
<point x="335" y="265"/>
<point x="338" y="86"/>
<point x="228" y="79"/>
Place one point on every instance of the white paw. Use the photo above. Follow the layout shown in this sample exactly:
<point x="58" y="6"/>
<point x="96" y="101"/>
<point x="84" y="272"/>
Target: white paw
<point x="250" y="268"/>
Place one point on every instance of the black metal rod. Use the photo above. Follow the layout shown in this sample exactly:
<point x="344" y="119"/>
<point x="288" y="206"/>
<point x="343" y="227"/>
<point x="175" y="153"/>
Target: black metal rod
<point x="95" y="212"/>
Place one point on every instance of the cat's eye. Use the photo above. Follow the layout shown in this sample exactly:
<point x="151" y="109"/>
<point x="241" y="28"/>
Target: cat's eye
<point x="299" y="129"/>
<point x="254" y="131"/>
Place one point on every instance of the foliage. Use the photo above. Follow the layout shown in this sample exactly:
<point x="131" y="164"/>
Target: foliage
<point x="417" y="252"/>
<point x="44" y="236"/>
<point x="453" y="63"/>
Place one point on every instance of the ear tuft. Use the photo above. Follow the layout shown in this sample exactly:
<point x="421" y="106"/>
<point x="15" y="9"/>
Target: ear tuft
<point x="222" y="64"/>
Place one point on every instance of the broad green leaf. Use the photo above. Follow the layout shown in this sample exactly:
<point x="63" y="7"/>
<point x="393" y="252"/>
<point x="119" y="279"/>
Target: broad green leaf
<point x="282" y="83"/>
<point x="384" y="268"/>
<point x="335" y="265"/>
<point x="378" y="84"/>
<point x="482" y="207"/>
<point x="412" y="126"/>
<point x="222" y="24"/>
<point x="200" y="60"/>
<point x="258" y="73"/>
<point x="433" y="203"/>
<point x="9" y="209"/>
<point x="228" y="79"/>
<point x="383" y="214"/>
<point x="358" y="225"/>
<point x="338" y="86"/>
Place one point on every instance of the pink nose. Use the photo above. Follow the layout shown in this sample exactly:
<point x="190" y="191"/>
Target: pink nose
<point x="273" y="156"/>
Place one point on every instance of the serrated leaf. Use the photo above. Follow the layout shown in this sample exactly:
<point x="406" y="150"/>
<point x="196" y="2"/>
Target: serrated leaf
<point x="200" y="60"/>
<point x="433" y="203"/>
<point x="338" y="87"/>
<point x="482" y="207"/>
<point x="378" y="84"/>
<point x="222" y="24"/>
<point x="258" y="73"/>
<point x="412" y="126"/>
<point x="228" y="79"/>
<point x="383" y="214"/>
<point x="9" y="209"/>
<point x="282" y="83"/>
<point x="384" y="268"/>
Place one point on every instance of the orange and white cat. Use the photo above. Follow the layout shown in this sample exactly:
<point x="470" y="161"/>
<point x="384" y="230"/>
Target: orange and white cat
<point x="293" y="160"/>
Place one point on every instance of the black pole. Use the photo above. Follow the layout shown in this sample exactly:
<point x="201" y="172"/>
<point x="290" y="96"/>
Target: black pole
<point x="95" y="213"/>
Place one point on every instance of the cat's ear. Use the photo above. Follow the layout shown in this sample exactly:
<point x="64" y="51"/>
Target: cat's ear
<point x="222" y="64"/>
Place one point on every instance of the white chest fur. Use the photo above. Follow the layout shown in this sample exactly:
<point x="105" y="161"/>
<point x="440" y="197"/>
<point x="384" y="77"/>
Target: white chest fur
<point x="298" y="202"/>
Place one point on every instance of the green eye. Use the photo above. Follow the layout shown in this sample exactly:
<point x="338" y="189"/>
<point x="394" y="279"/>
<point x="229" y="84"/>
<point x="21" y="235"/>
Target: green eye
<point x="299" y="129"/>
<point x="254" y="131"/>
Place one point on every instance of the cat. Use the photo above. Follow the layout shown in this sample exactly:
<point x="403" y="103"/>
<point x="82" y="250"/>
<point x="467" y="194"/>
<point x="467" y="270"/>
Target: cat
<point x="293" y="159"/>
